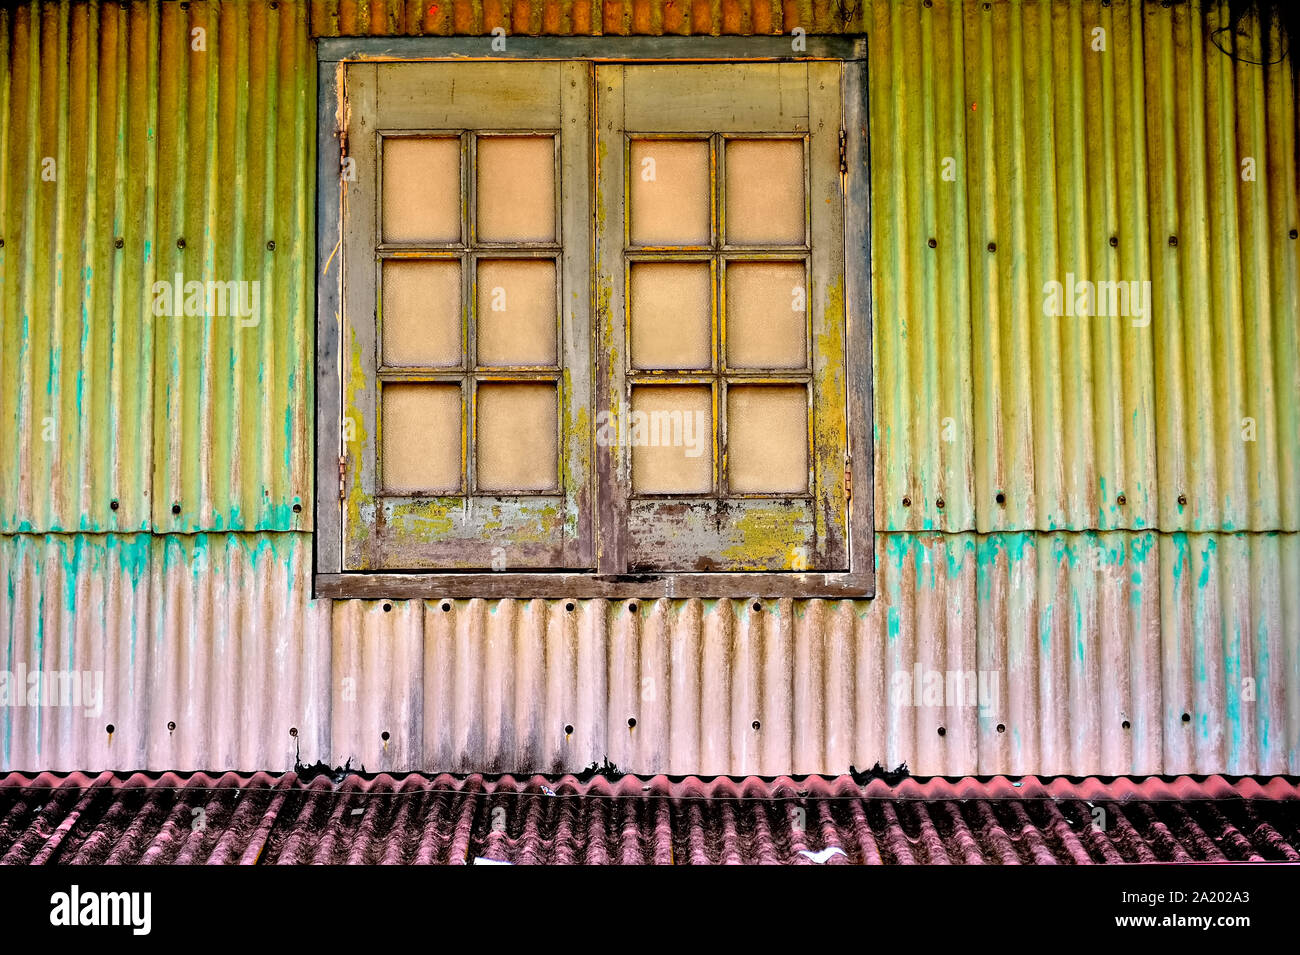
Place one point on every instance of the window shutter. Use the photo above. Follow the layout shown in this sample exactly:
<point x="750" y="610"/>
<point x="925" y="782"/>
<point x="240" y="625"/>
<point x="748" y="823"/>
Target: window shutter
<point x="721" y="266"/>
<point x="466" y="355"/>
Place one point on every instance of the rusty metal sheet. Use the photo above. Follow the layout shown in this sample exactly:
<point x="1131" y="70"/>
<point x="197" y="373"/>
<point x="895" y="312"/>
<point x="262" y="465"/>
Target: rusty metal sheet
<point x="569" y="17"/>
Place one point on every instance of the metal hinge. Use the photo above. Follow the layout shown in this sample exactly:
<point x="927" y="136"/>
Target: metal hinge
<point x="848" y="477"/>
<point x="844" y="152"/>
<point x="343" y="473"/>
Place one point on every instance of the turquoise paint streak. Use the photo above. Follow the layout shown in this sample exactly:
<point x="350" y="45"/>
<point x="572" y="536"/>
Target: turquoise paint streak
<point x="959" y="548"/>
<point x="1263" y="696"/>
<point x="1211" y="545"/>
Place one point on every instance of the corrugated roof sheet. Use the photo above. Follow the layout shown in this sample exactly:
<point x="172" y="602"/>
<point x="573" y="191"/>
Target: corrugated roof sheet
<point x="260" y="819"/>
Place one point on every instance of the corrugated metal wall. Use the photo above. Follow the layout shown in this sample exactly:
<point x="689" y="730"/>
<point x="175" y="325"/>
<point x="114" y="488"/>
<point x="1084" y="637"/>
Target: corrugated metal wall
<point x="1161" y="634"/>
<point x="142" y="141"/>
<point x="1091" y="647"/>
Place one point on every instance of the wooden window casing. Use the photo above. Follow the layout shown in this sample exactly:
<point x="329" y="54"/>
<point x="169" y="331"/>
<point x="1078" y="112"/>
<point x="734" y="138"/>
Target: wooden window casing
<point x="743" y="524"/>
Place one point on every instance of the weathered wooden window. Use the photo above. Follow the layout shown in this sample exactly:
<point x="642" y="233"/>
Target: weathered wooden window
<point x="593" y="321"/>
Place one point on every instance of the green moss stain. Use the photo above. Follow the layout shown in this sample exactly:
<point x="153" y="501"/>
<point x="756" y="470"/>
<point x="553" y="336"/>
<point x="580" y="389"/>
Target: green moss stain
<point x="358" y="512"/>
<point x="764" y="532"/>
<point x="830" y="418"/>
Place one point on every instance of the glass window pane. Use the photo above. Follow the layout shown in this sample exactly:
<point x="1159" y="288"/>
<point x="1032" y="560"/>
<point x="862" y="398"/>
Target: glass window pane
<point x="421" y="201"/>
<point x="766" y="315"/>
<point x="765" y="192"/>
<point x="670" y="192"/>
<point x="516" y="188"/>
<point x="671" y="434"/>
<point x="420" y="313"/>
<point x="516" y="437"/>
<point x="671" y="315"/>
<point x="767" y="439"/>
<point x="516" y="312"/>
<point x="421" y="438"/>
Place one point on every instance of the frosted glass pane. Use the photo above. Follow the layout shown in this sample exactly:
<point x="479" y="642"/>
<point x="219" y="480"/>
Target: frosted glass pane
<point x="421" y="313"/>
<point x="516" y="312"/>
<point x="670" y="192"/>
<point x="421" y="201"/>
<point x="765" y="192"/>
<point x="671" y="308"/>
<point x="516" y="189"/>
<point x="671" y="434"/>
<point x="516" y="437"/>
<point x="766" y="315"/>
<point x="421" y="438"/>
<point x="767" y="439"/>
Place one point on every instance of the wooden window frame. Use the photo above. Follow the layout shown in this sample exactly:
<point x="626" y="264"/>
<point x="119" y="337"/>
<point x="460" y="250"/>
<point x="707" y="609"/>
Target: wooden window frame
<point x="331" y="580"/>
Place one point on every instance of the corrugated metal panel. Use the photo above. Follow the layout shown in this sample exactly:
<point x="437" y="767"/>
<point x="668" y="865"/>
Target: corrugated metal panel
<point x="564" y="17"/>
<point x="1064" y="423"/>
<point x="76" y="335"/>
<point x="168" y="125"/>
<point x="263" y="820"/>
<point x="1002" y="134"/>
<point x="75" y="604"/>
<point x="975" y="395"/>
<point x="236" y="134"/>
<point x="1229" y="292"/>
<point x="207" y="649"/>
<point x="1076" y="653"/>
<point x="238" y="671"/>
<point x="922" y="311"/>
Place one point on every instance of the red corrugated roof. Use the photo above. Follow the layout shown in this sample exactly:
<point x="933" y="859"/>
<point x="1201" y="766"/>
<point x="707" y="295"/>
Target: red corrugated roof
<point x="261" y="818"/>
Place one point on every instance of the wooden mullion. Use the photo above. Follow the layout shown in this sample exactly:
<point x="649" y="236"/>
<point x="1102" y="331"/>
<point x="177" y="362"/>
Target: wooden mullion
<point x="613" y="466"/>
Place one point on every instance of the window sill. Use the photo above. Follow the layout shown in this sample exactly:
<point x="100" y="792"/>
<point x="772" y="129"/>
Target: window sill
<point x="555" y="586"/>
